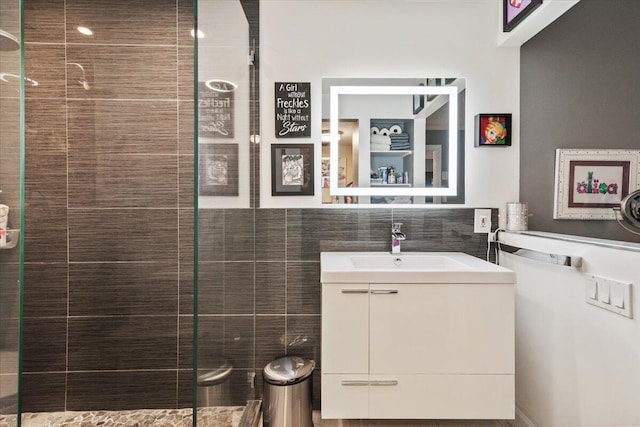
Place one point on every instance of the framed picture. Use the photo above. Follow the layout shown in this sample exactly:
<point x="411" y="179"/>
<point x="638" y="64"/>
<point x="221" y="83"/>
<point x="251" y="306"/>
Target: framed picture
<point x="418" y="102"/>
<point x="342" y="172"/>
<point x="292" y="170"/>
<point x="515" y="11"/>
<point x="293" y="109"/>
<point x="218" y="171"/>
<point x="589" y="183"/>
<point x="215" y="109"/>
<point x="492" y="130"/>
<point x="326" y="168"/>
<point x="432" y="82"/>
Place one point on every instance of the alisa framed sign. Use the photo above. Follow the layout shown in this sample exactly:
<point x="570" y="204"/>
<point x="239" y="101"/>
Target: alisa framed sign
<point x="589" y="183"/>
<point x="515" y="11"/>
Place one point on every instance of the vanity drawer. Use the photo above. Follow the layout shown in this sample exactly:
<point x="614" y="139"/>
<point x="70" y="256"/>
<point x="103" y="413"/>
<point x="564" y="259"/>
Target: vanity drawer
<point x="345" y="396"/>
<point x="442" y="396"/>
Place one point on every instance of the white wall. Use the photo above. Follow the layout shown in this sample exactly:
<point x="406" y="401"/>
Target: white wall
<point x="576" y="364"/>
<point x="222" y="54"/>
<point x="304" y="41"/>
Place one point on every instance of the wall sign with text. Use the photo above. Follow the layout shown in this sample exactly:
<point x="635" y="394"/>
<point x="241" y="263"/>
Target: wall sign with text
<point x="215" y="111"/>
<point x="293" y="110"/>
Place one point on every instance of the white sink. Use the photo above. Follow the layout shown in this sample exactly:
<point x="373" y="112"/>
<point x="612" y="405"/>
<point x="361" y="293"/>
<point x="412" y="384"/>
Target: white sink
<point x="409" y="267"/>
<point x="409" y="261"/>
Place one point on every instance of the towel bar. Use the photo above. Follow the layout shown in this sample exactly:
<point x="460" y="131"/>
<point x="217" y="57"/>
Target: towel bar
<point x="564" y="260"/>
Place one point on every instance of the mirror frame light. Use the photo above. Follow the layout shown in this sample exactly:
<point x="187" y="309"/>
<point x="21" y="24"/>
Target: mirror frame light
<point x="334" y="119"/>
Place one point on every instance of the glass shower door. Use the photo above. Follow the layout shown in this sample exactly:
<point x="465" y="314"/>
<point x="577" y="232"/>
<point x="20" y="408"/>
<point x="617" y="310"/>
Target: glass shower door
<point x="11" y="130"/>
<point x="225" y="360"/>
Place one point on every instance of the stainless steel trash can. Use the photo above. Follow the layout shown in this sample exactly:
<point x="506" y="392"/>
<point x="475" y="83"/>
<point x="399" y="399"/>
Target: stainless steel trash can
<point x="214" y="386"/>
<point x="287" y="392"/>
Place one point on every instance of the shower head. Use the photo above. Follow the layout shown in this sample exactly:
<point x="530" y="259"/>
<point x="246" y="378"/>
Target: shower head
<point x="8" y="42"/>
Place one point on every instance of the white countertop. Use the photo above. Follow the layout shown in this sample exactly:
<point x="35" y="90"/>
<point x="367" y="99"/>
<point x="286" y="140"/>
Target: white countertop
<point x="410" y="267"/>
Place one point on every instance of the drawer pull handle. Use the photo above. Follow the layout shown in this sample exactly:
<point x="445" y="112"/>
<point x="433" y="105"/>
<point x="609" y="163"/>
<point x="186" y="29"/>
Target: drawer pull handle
<point x="354" y="382"/>
<point x="384" y="382"/>
<point x="355" y="291"/>
<point x="385" y="291"/>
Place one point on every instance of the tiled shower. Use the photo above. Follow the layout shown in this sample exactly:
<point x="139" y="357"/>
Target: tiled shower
<point x="108" y="181"/>
<point x="108" y="287"/>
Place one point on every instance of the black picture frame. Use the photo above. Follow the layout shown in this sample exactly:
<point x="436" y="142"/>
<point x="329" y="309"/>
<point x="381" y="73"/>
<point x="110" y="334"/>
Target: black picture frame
<point x="218" y="170"/>
<point x="432" y="82"/>
<point x="216" y="106"/>
<point x="498" y="122"/>
<point x="418" y="103"/>
<point x="292" y="171"/>
<point x="521" y="14"/>
<point x="292" y="109"/>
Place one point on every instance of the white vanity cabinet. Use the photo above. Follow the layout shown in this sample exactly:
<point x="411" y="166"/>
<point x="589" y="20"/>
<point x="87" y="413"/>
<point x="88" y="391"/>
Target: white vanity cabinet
<point x="418" y="350"/>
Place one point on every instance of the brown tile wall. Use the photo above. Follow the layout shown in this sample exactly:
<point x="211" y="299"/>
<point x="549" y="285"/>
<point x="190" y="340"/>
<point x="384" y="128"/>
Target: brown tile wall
<point x="106" y="191"/>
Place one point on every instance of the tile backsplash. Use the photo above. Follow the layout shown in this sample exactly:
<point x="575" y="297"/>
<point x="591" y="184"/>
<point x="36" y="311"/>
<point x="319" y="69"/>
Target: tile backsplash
<point x="260" y="293"/>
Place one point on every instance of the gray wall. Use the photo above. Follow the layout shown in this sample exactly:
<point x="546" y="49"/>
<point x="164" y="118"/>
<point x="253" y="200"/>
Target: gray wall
<point x="579" y="89"/>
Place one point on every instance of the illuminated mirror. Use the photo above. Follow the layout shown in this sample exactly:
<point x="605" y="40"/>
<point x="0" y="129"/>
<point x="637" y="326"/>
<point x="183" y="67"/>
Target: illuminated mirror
<point x="393" y="141"/>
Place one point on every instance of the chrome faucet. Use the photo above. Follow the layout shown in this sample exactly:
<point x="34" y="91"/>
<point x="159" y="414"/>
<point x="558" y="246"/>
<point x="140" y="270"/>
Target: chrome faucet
<point x="396" y="237"/>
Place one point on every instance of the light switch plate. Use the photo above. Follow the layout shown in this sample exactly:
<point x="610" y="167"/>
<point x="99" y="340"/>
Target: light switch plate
<point x="482" y="221"/>
<point x="604" y="290"/>
<point x="612" y="295"/>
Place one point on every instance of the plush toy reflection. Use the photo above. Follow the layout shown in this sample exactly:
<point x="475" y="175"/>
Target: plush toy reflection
<point x="381" y="137"/>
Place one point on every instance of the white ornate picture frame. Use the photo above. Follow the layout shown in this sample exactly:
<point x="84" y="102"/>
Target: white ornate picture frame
<point x="590" y="182"/>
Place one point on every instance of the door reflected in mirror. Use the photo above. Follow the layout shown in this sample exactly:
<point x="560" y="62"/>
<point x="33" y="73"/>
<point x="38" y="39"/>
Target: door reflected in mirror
<point x="393" y="141"/>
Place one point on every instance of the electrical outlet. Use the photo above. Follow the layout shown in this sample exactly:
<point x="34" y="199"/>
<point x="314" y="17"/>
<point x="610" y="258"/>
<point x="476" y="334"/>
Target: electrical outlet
<point x="482" y="221"/>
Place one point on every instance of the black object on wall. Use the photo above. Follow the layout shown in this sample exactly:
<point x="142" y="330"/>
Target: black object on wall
<point x="578" y="90"/>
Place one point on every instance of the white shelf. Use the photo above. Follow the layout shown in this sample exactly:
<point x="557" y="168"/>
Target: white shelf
<point x="392" y="153"/>
<point x="390" y="185"/>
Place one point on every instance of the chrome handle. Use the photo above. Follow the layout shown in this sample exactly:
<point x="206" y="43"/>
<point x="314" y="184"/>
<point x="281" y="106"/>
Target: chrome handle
<point x="385" y="291"/>
<point x="354" y="382"/>
<point x="355" y="291"/>
<point x="564" y="260"/>
<point x="384" y="382"/>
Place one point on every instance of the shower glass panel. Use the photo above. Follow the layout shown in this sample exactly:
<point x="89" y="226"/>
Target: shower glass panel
<point x="225" y="87"/>
<point x="11" y="206"/>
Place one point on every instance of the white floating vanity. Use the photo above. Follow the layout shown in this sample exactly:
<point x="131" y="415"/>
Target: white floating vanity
<point x="425" y="335"/>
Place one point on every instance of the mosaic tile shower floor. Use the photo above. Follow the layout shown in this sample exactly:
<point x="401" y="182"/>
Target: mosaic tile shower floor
<point x="224" y="416"/>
